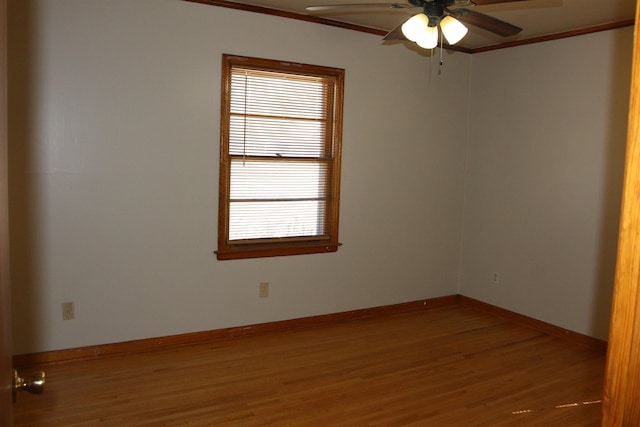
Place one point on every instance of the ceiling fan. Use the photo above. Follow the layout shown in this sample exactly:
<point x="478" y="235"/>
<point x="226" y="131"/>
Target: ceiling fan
<point x="448" y="15"/>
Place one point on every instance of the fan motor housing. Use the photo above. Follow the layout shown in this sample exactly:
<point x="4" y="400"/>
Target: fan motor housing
<point x="424" y="3"/>
<point x="433" y="10"/>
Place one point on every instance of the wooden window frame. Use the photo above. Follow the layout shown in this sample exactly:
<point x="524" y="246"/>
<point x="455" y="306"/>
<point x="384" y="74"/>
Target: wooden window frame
<point x="268" y="247"/>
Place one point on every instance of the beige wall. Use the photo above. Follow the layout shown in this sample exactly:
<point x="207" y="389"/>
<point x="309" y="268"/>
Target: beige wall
<point x="114" y="132"/>
<point x="547" y="136"/>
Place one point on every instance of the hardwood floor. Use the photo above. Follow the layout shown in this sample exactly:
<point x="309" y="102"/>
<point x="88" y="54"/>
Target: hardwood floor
<point x="445" y="366"/>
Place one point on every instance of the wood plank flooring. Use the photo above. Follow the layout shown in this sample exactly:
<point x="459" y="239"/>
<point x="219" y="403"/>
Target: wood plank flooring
<point x="445" y="366"/>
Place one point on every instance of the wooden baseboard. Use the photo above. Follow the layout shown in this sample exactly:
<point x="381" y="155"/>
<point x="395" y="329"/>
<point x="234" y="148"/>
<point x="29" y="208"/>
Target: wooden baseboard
<point x="25" y="360"/>
<point x="547" y="328"/>
<point x="22" y="361"/>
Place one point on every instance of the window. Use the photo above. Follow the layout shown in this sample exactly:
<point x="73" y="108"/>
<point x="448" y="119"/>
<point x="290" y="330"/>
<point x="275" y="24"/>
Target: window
<point x="280" y="148"/>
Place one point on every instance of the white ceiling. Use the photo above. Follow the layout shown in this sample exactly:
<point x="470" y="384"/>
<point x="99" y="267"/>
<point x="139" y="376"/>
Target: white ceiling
<point x="536" y="17"/>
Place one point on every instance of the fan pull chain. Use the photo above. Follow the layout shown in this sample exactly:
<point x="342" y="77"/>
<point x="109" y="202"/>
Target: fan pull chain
<point x="441" y="60"/>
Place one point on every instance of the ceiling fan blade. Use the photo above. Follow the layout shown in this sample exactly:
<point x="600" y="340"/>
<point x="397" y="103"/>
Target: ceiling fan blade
<point x="485" y="2"/>
<point x="395" y="34"/>
<point x="322" y="7"/>
<point x="485" y="22"/>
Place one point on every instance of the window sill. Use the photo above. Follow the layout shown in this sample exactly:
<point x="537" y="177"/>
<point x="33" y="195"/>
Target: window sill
<point x="245" y="253"/>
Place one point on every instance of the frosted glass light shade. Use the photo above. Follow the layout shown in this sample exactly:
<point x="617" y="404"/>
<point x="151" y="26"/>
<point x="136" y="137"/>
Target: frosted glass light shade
<point x="429" y="39"/>
<point x="453" y="29"/>
<point x="415" y="26"/>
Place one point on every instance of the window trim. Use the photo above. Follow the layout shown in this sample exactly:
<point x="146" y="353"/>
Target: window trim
<point x="286" y="246"/>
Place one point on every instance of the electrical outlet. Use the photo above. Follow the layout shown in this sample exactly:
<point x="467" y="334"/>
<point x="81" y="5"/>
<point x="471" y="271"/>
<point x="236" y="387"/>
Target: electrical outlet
<point x="68" y="311"/>
<point x="495" y="277"/>
<point x="264" y="289"/>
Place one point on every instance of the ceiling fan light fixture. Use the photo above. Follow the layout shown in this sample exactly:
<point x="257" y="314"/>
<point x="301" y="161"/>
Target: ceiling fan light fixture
<point x="453" y="29"/>
<point x="415" y="27"/>
<point x="428" y="39"/>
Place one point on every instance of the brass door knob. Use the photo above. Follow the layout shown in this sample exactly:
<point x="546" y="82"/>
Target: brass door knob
<point x="34" y="384"/>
